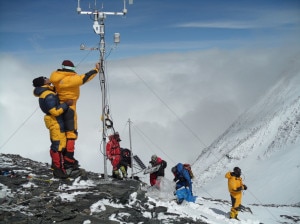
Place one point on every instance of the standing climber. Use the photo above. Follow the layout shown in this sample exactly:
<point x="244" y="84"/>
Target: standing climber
<point x="235" y="188"/>
<point x="125" y="161"/>
<point x="67" y="83"/>
<point x="113" y="153"/>
<point x="53" y="109"/>
<point x="156" y="176"/>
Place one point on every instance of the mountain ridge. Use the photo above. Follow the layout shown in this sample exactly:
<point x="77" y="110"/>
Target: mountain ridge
<point x="270" y="127"/>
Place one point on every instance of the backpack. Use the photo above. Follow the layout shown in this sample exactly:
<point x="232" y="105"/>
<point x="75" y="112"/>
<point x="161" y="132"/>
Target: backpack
<point x="125" y="157"/>
<point x="125" y="153"/>
<point x="189" y="169"/>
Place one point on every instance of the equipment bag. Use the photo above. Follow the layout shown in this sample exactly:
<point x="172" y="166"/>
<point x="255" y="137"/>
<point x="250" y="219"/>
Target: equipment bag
<point x="189" y="169"/>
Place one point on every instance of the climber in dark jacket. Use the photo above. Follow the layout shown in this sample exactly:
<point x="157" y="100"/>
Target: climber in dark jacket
<point x="156" y="176"/>
<point x="53" y="109"/>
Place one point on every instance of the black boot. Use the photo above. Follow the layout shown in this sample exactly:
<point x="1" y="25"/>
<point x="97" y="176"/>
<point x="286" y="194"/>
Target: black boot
<point x="59" y="173"/>
<point x="70" y="161"/>
<point x="71" y="164"/>
<point x="73" y="173"/>
<point x="57" y="167"/>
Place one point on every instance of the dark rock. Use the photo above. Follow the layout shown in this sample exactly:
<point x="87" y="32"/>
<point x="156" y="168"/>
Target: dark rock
<point x="33" y="196"/>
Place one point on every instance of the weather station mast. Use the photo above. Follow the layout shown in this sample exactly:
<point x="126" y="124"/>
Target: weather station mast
<point x="99" y="28"/>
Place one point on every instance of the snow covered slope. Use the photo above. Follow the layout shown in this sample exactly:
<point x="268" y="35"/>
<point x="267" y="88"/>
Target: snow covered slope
<point x="265" y="143"/>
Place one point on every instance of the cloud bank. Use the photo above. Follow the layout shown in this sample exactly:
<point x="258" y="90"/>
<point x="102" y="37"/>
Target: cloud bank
<point x="178" y="103"/>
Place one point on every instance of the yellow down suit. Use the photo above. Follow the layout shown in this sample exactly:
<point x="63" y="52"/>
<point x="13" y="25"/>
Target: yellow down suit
<point x="49" y="104"/>
<point x="235" y="187"/>
<point x="67" y="83"/>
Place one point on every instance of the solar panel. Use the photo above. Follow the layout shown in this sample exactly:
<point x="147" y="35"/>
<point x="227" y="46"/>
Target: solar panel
<point x="139" y="162"/>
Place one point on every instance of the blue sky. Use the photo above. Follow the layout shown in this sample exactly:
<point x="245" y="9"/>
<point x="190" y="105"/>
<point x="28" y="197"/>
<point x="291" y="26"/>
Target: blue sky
<point x="42" y="30"/>
<point x="183" y="72"/>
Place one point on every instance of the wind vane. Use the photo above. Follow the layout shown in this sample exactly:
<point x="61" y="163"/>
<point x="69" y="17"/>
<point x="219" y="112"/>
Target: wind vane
<point x="99" y="28"/>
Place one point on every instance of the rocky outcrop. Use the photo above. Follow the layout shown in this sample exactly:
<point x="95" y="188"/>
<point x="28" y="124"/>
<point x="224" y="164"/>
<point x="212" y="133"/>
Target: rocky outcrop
<point x="29" y="194"/>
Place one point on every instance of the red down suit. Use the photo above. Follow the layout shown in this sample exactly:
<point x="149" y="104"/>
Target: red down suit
<point x="113" y="152"/>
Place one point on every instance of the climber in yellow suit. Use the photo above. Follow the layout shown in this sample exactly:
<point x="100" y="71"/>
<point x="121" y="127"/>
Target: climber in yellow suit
<point x="235" y="187"/>
<point x="67" y="83"/>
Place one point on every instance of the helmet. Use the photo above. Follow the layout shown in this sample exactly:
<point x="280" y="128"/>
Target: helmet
<point x="153" y="158"/>
<point x="237" y="171"/>
<point x="125" y="152"/>
<point x="174" y="169"/>
<point x="117" y="136"/>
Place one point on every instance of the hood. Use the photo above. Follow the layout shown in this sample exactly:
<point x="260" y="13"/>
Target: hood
<point x="228" y="175"/>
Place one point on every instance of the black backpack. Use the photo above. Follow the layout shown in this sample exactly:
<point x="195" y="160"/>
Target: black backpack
<point x="125" y="157"/>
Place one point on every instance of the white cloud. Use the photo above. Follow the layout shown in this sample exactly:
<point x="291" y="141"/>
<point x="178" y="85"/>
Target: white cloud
<point x="257" y="19"/>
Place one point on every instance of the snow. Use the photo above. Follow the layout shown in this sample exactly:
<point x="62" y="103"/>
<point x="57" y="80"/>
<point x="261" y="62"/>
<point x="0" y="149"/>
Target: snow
<point x="100" y="206"/>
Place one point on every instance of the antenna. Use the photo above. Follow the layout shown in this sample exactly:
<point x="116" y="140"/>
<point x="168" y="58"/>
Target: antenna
<point x="130" y="144"/>
<point x="99" y="28"/>
<point x="78" y="6"/>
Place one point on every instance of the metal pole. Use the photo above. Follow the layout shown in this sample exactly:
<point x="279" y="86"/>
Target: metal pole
<point x="130" y="145"/>
<point x="102" y="75"/>
<point x="103" y="86"/>
<point x="99" y="29"/>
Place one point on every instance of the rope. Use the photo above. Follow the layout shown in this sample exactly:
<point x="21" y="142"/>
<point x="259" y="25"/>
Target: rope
<point x="175" y="114"/>
<point x="21" y="125"/>
<point x="144" y="135"/>
<point x="169" y="108"/>
<point x="263" y="206"/>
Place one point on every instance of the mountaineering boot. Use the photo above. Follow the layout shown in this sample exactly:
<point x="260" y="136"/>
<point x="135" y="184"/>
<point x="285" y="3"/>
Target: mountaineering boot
<point x="233" y="213"/>
<point x="124" y="172"/>
<point x="73" y="173"/>
<point x="69" y="160"/>
<point x="116" y="175"/>
<point x="70" y="164"/>
<point x="77" y="173"/>
<point x="57" y="167"/>
<point x="179" y="201"/>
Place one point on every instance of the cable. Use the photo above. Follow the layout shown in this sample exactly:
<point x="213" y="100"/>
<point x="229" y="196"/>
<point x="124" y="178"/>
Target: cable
<point x="143" y="134"/>
<point x="170" y="109"/>
<point x="21" y="125"/>
<point x="174" y="113"/>
<point x="263" y="206"/>
<point x="89" y="52"/>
